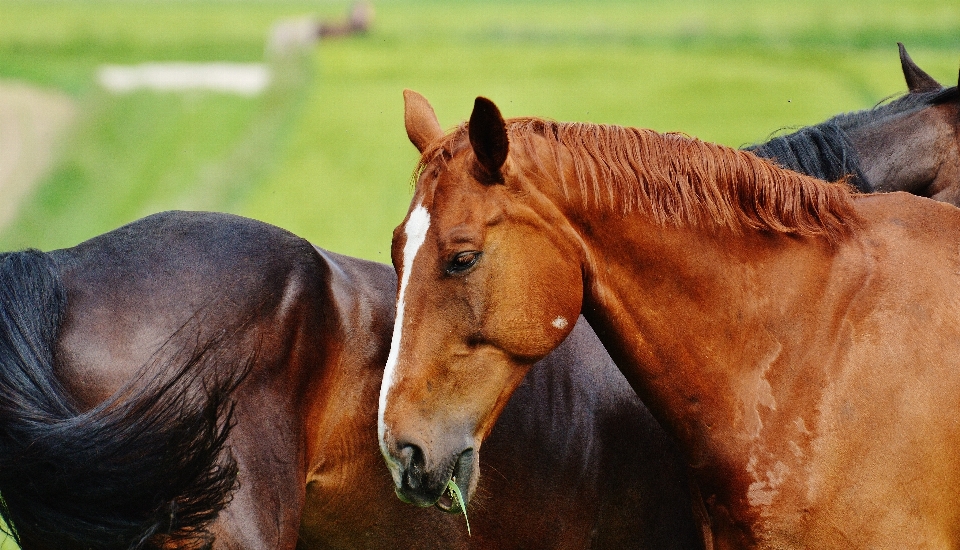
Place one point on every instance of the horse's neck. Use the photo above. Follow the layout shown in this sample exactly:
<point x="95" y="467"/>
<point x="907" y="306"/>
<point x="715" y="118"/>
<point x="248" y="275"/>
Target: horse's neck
<point x="703" y="322"/>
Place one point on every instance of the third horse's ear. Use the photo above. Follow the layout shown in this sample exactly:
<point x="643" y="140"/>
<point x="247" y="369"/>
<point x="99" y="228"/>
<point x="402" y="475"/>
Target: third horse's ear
<point x="420" y="120"/>
<point x="917" y="80"/>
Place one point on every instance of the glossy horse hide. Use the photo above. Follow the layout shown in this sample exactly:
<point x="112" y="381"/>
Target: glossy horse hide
<point x="144" y="372"/>
<point x="199" y="380"/>
<point x="910" y="144"/>
<point x="799" y="341"/>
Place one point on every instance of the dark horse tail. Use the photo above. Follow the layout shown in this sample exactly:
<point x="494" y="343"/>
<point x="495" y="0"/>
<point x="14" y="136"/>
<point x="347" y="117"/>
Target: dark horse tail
<point x="143" y="470"/>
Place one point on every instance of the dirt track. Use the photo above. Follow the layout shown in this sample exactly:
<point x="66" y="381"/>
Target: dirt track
<point x="32" y="123"/>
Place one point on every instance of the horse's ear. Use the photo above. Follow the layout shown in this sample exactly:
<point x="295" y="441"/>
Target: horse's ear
<point x="420" y="120"/>
<point x="917" y="80"/>
<point x="488" y="137"/>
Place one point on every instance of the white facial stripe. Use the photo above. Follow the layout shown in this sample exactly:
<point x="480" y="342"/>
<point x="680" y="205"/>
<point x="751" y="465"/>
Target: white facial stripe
<point x="416" y="233"/>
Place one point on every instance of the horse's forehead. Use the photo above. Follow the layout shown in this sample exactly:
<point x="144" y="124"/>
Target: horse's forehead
<point x="451" y="192"/>
<point x="455" y="156"/>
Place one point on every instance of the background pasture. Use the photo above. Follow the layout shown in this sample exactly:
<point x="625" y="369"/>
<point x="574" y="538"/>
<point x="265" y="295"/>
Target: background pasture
<point x="323" y="152"/>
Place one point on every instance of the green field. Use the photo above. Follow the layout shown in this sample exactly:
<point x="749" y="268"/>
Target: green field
<point x="324" y="154"/>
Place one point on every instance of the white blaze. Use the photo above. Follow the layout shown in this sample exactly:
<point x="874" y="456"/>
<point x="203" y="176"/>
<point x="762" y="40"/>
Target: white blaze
<point x="559" y="323"/>
<point x="416" y="233"/>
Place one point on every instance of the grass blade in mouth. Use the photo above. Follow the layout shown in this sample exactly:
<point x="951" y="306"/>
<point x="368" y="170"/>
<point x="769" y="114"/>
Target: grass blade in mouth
<point x="458" y="500"/>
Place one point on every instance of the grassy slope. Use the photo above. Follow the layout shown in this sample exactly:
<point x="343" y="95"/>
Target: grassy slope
<point x="328" y="158"/>
<point x="727" y="74"/>
<point x="136" y="154"/>
<point x="325" y="155"/>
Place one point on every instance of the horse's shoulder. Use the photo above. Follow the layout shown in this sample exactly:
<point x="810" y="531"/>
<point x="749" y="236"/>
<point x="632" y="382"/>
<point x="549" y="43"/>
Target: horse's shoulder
<point x="919" y="217"/>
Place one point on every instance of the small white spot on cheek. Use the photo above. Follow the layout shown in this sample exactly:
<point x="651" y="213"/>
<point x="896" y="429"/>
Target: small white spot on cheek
<point x="560" y="323"/>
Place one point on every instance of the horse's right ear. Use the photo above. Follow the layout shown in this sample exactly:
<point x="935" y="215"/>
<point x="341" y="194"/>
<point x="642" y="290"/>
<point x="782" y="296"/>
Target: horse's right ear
<point x="917" y="80"/>
<point x="420" y="120"/>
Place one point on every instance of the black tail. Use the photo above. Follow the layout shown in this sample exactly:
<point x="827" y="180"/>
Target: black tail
<point x="144" y="469"/>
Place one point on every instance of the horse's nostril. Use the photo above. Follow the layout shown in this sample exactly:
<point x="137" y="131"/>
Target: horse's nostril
<point x="412" y="480"/>
<point x="411" y="456"/>
<point x="412" y="462"/>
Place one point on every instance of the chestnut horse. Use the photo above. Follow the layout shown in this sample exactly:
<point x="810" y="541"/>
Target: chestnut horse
<point x="799" y="341"/>
<point x="198" y="380"/>
<point x="910" y="144"/>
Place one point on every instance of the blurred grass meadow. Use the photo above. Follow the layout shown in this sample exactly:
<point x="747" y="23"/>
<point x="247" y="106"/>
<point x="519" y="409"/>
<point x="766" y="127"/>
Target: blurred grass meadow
<point x="323" y="152"/>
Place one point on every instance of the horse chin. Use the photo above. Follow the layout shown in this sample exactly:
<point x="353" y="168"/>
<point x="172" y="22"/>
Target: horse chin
<point x="402" y="497"/>
<point x="425" y="490"/>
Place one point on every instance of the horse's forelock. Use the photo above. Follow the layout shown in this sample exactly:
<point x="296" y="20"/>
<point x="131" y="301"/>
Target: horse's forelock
<point x="440" y="151"/>
<point x="945" y="95"/>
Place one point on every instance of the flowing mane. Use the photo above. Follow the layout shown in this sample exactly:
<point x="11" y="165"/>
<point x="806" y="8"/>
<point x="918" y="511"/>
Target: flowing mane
<point x="825" y="150"/>
<point x="675" y="179"/>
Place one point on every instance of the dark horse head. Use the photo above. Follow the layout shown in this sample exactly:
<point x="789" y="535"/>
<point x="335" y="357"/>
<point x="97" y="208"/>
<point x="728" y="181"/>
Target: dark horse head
<point x="910" y="144"/>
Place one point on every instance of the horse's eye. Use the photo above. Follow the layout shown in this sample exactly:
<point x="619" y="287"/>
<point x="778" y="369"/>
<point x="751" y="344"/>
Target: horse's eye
<point x="462" y="262"/>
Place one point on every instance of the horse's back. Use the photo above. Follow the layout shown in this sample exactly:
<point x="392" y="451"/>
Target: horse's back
<point x="609" y="479"/>
<point x="175" y="273"/>
<point x="146" y="296"/>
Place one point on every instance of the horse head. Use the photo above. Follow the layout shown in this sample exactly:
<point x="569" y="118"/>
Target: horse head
<point x="913" y="143"/>
<point x="468" y="258"/>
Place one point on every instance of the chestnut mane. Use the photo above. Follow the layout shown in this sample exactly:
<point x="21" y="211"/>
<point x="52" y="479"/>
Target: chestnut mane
<point x="674" y="179"/>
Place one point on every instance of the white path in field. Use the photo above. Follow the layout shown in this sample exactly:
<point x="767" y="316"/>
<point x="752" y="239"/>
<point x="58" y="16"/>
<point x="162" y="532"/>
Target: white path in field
<point x="32" y="123"/>
<point x="237" y="78"/>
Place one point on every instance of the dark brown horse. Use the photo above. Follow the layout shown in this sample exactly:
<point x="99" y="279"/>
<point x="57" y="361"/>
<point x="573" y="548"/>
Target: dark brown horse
<point x="800" y="342"/>
<point x="910" y="144"/>
<point x="148" y="369"/>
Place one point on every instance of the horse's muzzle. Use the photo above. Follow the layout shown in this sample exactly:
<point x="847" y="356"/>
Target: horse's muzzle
<point x="428" y="487"/>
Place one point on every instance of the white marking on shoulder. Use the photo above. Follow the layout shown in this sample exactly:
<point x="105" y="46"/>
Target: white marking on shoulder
<point x="762" y="491"/>
<point x="416" y="232"/>
<point x="560" y="323"/>
<point x="757" y="392"/>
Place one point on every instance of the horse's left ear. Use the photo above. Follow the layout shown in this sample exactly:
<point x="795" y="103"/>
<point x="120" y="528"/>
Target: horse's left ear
<point x="488" y="137"/>
<point x="917" y="80"/>
<point x="420" y="120"/>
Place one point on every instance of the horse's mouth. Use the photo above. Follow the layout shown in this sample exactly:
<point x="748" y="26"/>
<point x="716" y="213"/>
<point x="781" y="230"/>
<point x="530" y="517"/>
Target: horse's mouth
<point x="448" y="501"/>
<point x="447" y="504"/>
